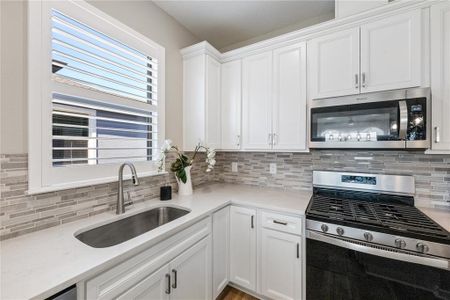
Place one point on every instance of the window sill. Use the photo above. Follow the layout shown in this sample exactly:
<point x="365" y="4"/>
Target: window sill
<point x="73" y="185"/>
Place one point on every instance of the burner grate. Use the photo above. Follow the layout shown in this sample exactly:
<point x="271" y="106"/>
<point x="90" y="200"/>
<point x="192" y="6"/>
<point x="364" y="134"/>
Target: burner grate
<point x="398" y="217"/>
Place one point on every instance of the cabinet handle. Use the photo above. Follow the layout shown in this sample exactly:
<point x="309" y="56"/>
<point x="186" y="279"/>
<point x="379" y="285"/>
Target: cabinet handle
<point x="363" y="79"/>
<point x="252" y="224"/>
<point x="175" y="280"/>
<point x="298" y="250"/>
<point x="275" y="139"/>
<point x="269" y="139"/>
<point x="437" y="136"/>
<point x="238" y="140"/>
<point x="280" y="222"/>
<point x="168" y="283"/>
<point x="356" y="81"/>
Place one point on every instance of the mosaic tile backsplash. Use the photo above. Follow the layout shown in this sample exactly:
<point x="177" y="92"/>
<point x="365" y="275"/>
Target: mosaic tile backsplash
<point x="21" y="214"/>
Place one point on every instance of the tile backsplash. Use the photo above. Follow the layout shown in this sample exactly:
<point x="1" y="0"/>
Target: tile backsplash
<point x="294" y="170"/>
<point x="21" y="213"/>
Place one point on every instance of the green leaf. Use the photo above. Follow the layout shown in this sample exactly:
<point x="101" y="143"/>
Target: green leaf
<point x="181" y="174"/>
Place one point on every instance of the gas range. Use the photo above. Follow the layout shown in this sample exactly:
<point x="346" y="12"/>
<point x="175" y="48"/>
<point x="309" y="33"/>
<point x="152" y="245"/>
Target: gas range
<point x="375" y="213"/>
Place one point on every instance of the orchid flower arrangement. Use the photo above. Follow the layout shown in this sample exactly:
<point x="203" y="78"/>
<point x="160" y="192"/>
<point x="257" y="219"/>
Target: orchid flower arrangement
<point x="184" y="161"/>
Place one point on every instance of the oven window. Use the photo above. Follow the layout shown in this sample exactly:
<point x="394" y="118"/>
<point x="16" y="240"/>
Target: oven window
<point x="377" y="121"/>
<point x="337" y="273"/>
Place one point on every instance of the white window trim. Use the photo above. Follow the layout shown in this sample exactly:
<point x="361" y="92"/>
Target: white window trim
<point x="42" y="176"/>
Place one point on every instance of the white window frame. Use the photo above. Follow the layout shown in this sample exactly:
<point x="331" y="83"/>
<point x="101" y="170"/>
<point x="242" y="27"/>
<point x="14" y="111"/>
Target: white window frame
<point x="42" y="176"/>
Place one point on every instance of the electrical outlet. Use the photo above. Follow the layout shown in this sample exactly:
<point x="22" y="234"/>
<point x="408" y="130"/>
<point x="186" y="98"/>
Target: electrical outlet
<point x="273" y="168"/>
<point x="234" y="167"/>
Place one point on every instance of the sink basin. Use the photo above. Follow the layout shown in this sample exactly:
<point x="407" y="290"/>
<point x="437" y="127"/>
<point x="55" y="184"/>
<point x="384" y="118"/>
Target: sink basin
<point x="124" y="229"/>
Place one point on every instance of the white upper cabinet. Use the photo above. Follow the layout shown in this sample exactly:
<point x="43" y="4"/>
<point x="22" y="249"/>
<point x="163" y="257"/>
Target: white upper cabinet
<point x="386" y="54"/>
<point x="289" y="98"/>
<point x="194" y="82"/>
<point x="243" y="247"/>
<point x="231" y="105"/>
<point x="257" y="102"/>
<point x="201" y="102"/>
<point x="333" y="64"/>
<point x="213" y="128"/>
<point x="440" y="76"/>
<point x="391" y="53"/>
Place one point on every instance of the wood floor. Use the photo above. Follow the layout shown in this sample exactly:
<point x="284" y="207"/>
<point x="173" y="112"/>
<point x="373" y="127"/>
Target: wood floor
<point x="230" y="293"/>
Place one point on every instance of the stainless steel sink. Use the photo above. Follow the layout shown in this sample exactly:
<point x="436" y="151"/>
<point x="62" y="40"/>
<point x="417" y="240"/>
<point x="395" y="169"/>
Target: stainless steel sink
<point x="124" y="229"/>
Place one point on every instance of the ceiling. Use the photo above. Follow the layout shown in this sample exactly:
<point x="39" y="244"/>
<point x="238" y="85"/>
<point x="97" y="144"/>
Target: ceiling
<point x="224" y="23"/>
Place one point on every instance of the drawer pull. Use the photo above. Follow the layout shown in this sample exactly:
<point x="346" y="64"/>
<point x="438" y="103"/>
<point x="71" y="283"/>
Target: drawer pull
<point x="168" y="283"/>
<point x="280" y="222"/>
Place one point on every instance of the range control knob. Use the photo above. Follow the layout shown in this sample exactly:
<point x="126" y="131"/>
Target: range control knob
<point x="368" y="236"/>
<point x="399" y="243"/>
<point x="340" y="231"/>
<point x="421" y="247"/>
<point x="324" y="228"/>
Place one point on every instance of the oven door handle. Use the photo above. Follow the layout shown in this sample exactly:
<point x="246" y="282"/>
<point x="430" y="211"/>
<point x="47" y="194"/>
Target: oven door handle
<point x="377" y="250"/>
<point x="403" y="115"/>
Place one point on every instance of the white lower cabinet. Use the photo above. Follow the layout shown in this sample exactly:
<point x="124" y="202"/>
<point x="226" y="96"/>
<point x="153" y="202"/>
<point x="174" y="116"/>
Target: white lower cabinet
<point x="281" y="267"/>
<point x="152" y="287"/>
<point x="243" y="247"/>
<point x="191" y="273"/>
<point x="221" y="242"/>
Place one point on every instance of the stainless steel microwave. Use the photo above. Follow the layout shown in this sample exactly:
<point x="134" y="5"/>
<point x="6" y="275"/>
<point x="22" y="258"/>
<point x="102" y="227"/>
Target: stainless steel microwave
<point x="393" y="119"/>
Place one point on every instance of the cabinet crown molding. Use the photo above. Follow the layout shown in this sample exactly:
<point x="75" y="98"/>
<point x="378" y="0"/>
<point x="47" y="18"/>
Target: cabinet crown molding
<point x="307" y="33"/>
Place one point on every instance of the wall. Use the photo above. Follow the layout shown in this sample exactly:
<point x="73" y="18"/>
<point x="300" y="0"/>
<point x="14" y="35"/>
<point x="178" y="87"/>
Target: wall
<point x="143" y="16"/>
<point x="13" y="112"/>
<point x="278" y="32"/>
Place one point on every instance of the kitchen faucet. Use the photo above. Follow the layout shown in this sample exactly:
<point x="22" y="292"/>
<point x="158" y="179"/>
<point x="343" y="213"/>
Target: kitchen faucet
<point x="120" y="202"/>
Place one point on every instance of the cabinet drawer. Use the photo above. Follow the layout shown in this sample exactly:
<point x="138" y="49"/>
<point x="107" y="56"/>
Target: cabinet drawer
<point x="282" y="222"/>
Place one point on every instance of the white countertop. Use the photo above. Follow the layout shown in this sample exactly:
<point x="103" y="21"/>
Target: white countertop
<point x="42" y="263"/>
<point x="442" y="217"/>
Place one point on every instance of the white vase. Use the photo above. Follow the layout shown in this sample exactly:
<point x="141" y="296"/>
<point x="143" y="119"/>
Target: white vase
<point x="185" y="188"/>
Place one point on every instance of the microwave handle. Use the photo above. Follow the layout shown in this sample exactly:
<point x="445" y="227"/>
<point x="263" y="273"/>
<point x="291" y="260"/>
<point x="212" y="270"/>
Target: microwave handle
<point x="403" y="110"/>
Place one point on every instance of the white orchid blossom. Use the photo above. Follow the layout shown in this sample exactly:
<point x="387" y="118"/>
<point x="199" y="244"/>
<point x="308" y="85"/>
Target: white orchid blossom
<point x="183" y="161"/>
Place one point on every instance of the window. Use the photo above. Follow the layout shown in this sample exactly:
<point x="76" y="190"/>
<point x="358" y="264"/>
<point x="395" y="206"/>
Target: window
<point x="96" y="99"/>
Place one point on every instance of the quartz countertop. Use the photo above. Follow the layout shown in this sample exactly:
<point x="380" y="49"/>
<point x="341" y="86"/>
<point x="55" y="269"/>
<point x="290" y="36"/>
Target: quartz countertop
<point x="440" y="216"/>
<point x="42" y="263"/>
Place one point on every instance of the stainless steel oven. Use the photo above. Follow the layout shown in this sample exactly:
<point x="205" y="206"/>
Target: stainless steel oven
<point x="394" y="119"/>
<point x="365" y="240"/>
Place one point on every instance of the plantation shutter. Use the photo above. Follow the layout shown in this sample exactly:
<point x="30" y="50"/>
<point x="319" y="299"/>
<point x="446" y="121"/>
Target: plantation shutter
<point x="104" y="97"/>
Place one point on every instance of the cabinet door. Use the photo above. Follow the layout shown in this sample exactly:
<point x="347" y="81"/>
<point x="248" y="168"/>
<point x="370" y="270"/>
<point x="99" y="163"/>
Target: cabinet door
<point x="257" y="101"/>
<point x="391" y="56"/>
<point x="221" y="243"/>
<point x="440" y="75"/>
<point x="155" y="286"/>
<point x="193" y="101"/>
<point x="333" y="64"/>
<point x="231" y="105"/>
<point x="212" y="128"/>
<point x="281" y="265"/>
<point x="243" y="247"/>
<point x="191" y="273"/>
<point x="289" y="98"/>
